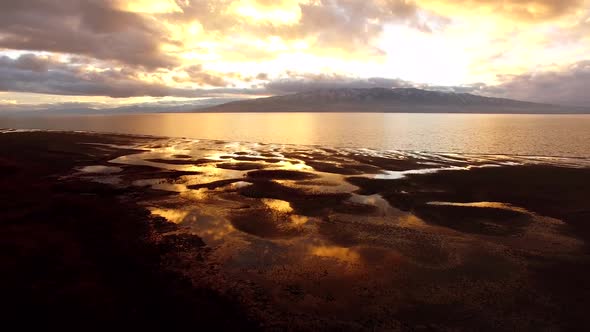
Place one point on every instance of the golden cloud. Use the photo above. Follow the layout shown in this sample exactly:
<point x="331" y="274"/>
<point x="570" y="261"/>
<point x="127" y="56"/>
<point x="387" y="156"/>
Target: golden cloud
<point x="530" y="10"/>
<point x="174" y="47"/>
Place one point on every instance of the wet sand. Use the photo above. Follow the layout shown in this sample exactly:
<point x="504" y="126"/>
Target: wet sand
<point x="175" y="233"/>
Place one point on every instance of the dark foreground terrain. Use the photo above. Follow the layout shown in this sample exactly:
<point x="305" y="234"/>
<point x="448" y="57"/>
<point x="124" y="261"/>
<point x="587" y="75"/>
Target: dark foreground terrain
<point x="117" y="231"/>
<point x="75" y="254"/>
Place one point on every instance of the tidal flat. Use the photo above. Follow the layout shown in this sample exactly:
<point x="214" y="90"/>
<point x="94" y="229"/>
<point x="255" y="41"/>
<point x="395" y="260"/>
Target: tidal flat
<point x="172" y="233"/>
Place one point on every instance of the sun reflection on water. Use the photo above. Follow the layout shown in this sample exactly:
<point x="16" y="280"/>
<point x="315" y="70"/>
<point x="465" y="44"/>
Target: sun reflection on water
<point x="288" y="229"/>
<point x="278" y="205"/>
<point x="339" y="253"/>
<point x="172" y="215"/>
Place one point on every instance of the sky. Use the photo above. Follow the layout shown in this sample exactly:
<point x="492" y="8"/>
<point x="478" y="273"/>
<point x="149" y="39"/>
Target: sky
<point x="60" y="54"/>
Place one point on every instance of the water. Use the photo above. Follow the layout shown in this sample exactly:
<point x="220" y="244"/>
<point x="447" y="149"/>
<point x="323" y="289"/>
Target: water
<point x="538" y="135"/>
<point x="308" y="229"/>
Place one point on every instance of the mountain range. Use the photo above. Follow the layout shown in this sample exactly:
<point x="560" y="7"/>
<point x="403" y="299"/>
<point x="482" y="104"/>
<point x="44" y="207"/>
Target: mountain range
<point x="367" y="100"/>
<point x="398" y="100"/>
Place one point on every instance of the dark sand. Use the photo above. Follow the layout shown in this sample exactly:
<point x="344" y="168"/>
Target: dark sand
<point x="80" y="254"/>
<point x="171" y="234"/>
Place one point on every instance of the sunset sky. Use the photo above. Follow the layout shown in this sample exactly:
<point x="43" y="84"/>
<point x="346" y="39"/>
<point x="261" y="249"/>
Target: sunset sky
<point x="73" y="53"/>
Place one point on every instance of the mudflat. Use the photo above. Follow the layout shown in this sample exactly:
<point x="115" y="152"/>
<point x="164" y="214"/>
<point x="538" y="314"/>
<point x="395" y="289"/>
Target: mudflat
<point x="112" y="230"/>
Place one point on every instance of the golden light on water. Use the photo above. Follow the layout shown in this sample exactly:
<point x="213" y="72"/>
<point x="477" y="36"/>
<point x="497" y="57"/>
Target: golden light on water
<point x="344" y="254"/>
<point x="172" y="215"/>
<point x="277" y="205"/>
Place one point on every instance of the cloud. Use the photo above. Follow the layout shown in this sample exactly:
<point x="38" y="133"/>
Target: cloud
<point x="102" y="48"/>
<point x="196" y="74"/>
<point x="566" y="87"/>
<point x="50" y="75"/>
<point x="31" y="62"/>
<point x="578" y="29"/>
<point x="31" y="73"/>
<point x="87" y="27"/>
<point x="347" y="25"/>
<point x="296" y="83"/>
<point x="106" y="30"/>
<point x="47" y="75"/>
<point x="354" y="25"/>
<point x="308" y="82"/>
<point x="529" y="10"/>
<point x="262" y="76"/>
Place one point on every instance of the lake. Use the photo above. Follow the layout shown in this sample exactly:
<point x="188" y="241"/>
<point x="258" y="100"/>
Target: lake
<point x="520" y="134"/>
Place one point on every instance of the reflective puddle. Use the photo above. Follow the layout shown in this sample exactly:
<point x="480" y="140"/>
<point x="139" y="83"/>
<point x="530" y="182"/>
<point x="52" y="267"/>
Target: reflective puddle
<point x="290" y="221"/>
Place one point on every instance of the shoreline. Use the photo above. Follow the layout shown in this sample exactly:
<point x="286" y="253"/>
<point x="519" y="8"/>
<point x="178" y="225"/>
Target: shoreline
<point x="287" y="236"/>
<point x="148" y="136"/>
<point x="490" y="134"/>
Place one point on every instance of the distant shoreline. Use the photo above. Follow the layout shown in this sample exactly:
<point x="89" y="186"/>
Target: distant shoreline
<point x="565" y="160"/>
<point x="521" y="134"/>
<point x="207" y="111"/>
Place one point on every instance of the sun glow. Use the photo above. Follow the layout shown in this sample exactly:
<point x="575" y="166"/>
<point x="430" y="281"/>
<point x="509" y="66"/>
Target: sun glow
<point x="183" y="48"/>
<point x="279" y="12"/>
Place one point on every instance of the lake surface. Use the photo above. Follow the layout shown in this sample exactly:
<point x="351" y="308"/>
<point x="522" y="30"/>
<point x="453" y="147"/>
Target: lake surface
<point x="522" y="134"/>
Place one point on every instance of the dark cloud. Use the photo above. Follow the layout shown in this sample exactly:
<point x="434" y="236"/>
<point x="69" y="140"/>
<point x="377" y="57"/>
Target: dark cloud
<point x="92" y="28"/>
<point x="310" y="82"/>
<point x="262" y="76"/>
<point x="566" y="87"/>
<point x="30" y="73"/>
<point x="296" y="83"/>
<point x="30" y="62"/>
<point x="196" y="74"/>
<point x="38" y="74"/>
